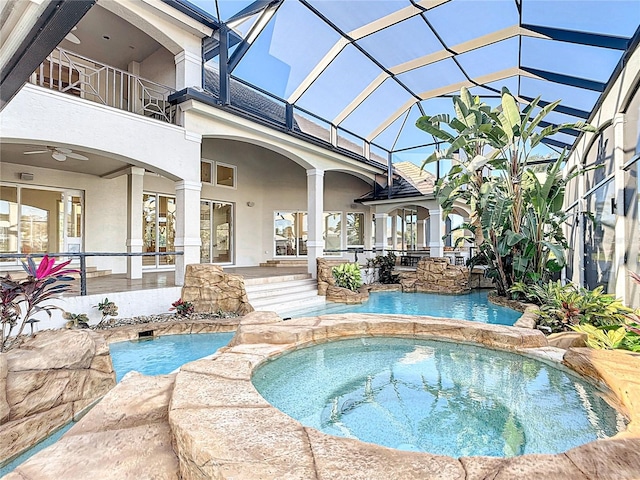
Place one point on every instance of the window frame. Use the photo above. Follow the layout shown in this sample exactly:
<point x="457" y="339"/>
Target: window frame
<point x="211" y="171"/>
<point x="235" y="175"/>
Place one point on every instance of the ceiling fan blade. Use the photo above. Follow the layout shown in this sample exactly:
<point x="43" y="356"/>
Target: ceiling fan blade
<point x="77" y="156"/>
<point x="66" y="151"/>
<point x="61" y="157"/>
<point x="35" y="151"/>
<point x="72" y="38"/>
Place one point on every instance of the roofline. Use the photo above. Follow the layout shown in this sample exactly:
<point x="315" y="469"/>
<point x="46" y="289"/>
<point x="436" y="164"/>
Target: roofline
<point x="194" y="12"/>
<point x="190" y="93"/>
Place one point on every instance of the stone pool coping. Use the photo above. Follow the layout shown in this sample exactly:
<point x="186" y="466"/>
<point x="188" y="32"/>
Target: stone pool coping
<point x="224" y="429"/>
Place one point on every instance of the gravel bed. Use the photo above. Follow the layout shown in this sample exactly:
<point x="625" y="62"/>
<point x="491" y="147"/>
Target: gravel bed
<point x="114" y="322"/>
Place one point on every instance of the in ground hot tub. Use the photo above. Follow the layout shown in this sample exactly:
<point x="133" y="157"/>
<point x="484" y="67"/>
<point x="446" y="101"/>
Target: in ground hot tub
<point x="438" y="397"/>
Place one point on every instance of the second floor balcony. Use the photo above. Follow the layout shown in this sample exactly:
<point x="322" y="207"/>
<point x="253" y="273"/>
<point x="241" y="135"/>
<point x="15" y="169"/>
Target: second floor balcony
<point x="83" y="77"/>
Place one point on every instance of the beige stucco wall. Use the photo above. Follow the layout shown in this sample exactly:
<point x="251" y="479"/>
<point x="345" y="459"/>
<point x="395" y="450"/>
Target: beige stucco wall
<point x="273" y="183"/>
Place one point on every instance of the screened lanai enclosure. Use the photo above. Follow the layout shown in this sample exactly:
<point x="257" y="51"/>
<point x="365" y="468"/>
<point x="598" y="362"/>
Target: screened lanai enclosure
<point x="355" y="75"/>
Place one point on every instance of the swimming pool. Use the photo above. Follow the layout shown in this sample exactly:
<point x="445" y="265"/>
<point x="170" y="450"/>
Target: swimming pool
<point x="473" y="306"/>
<point x="437" y="397"/>
<point x="161" y="355"/>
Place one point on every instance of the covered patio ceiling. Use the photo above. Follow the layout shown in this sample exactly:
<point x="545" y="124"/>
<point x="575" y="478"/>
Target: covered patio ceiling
<point x="368" y="69"/>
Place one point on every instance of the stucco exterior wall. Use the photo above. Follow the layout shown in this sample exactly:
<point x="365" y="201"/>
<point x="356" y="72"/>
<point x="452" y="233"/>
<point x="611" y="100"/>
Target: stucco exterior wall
<point x="159" y="67"/>
<point x="273" y="183"/>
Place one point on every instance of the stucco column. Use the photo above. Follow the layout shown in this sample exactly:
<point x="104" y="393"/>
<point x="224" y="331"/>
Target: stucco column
<point x="187" y="226"/>
<point x="315" y="207"/>
<point x="188" y="70"/>
<point x="619" y="266"/>
<point x="135" y="184"/>
<point x="436" y="232"/>
<point x="421" y="237"/>
<point x="381" y="233"/>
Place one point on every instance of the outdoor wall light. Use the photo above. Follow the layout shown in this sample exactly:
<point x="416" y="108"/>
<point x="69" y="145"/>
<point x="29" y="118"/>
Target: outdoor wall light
<point x="251" y="204"/>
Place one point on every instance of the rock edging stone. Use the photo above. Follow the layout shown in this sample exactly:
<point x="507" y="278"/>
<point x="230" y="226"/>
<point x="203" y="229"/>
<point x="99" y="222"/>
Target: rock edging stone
<point x="224" y="429"/>
<point x="211" y="290"/>
<point x="49" y="380"/>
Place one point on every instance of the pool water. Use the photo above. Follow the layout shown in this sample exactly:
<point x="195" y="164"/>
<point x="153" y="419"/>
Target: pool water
<point x="161" y="355"/>
<point x="473" y="306"/>
<point x="437" y="397"/>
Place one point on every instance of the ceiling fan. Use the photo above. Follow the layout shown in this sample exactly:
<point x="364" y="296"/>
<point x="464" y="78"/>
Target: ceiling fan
<point x="71" y="37"/>
<point x="58" y="153"/>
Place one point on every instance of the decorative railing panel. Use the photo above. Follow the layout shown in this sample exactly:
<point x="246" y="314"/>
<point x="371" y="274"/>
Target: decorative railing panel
<point x="86" y="78"/>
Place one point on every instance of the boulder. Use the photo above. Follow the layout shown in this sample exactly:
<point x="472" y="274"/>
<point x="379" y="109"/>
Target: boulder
<point x="47" y="381"/>
<point x="344" y="295"/>
<point x="211" y="290"/>
<point x="4" y="405"/>
<point x="436" y="275"/>
<point x="325" y="273"/>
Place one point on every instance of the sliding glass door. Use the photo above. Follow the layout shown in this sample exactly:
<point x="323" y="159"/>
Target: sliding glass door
<point x="216" y="232"/>
<point x="290" y="234"/>
<point x="40" y="220"/>
<point x="158" y="229"/>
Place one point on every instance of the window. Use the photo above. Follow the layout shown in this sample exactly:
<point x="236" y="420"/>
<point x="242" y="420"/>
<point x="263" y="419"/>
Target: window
<point x="355" y="229"/>
<point x="206" y="171"/>
<point x="216" y="173"/>
<point x="332" y="233"/>
<point x="599" y="241"/>
<point x="225" y="175"/>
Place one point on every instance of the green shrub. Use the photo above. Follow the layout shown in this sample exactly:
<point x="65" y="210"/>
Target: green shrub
<point x="76" y="320"/>
<point x="347" y="275"/>
<point x="385" y="265"/>
<point x="626" y="337"/>
<point x="564" y="306"/>
<point x="107" y="309"/>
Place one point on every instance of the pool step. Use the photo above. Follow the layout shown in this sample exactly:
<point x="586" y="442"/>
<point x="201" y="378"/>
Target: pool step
<point x="284" y="295"/>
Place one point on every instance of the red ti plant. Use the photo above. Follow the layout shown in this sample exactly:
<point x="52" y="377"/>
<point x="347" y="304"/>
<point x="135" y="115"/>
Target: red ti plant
<point x="21" y="300"/>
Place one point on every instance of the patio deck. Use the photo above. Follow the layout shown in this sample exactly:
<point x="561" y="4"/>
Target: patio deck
<point x="151" y="280"/>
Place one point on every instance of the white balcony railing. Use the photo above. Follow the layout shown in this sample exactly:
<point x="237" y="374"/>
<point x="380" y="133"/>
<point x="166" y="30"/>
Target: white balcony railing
<point x="80" y="76"/>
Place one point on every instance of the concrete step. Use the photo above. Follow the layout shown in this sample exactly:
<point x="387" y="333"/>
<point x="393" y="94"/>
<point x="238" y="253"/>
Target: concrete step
<point x="285" y="263"/>
<point x="292" y="302"/>
<point x="250" y="282"/>
<point x="295" y="297"/>
<point x="280" y="288"/>
<point x="283" y="294"/>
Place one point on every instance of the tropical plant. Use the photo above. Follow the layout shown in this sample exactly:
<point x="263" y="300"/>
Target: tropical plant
<point x="182" y="307"/>
<point x="22" y="299"/>
<point x="76" y="320"/>
<point x="516" y="210"/>
<point x="347" y="275"/>
<point x="107" y="309"/>
<point x="385" y="265"/>
<point x="564" y="306"/>
<point x="602" y="339"/>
